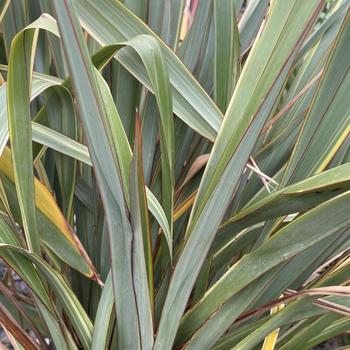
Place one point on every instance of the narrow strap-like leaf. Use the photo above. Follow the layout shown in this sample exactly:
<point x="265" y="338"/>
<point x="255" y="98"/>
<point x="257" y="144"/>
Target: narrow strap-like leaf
<point x="104" y="159"/>
<point x="19" y="118"/>
<point x="288" y="242"/>
<point x="103" y="316"/>
<point x="190" y="101"/>
<point x="73" y="308"/>
<point x="259" y="85"/>
<point x="327" y="123"/>
<point x="291" y="199"/>
<point x="53" y="228"/>
<point x="141" y="244"/>
<point x="227" y="52"/>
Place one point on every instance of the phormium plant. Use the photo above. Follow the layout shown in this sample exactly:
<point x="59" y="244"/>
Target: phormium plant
<point x="174" y="174"/>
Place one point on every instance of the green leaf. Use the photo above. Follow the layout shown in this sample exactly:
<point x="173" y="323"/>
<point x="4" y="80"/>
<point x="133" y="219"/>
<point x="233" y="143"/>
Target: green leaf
<point x="61" y="117"/>
<point x="314" y="226"/>
<point x="53" y="228"/>
<point x="190" y="102"/>
<point x="103" y="316"/>
<point x="331" y="330"/>
<point x="141" y="246"/>
<point x="60" y="143"/>
<point x="234" y="243"/>
<point x="54" y="44"/>
<point x="93" y="116"/>
<point x="292" y="199"/>
<point x="312" y="330"/>
<point x="70" y="303"/>
<point x="149" y="51"/>
<point x="227" y="52"/>
<point x="166" y="19"/>
<point x="40" y="83"/>
<point x="216" y="326"/>
<point x="4" y="7"/>
<point x="267" y="287"/>
<point x="10" y="27"/>
<point x="191" y="46"/>
<point x="76" y="150"/>
<point x="19" y="119"/>
<point x="19" y="263"/>
<point x="327" y="124"/>
<point x="157" y="211"/>
<point x="30" y="275"/>
<point x="251" y="21"/>
<point x="257" y="89"/>
<point x="297" y="310"/>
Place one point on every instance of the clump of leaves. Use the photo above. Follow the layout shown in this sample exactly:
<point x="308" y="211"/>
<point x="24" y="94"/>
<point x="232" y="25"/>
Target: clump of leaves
<point x="175" y="175"/>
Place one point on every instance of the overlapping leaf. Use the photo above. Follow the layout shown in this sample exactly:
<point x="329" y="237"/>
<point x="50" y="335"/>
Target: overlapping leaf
<point x="257" y="89"/>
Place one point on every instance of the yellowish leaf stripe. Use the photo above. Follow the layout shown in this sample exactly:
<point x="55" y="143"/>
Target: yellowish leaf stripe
<point x="44" y="200"/>
<point x="19" y="78"/>
<point x="271" y="339"/>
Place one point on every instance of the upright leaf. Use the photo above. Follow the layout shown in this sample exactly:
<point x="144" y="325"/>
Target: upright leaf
<point x="227" y="52"/>
<point x="19" y="118"/>
<point x="104" y="313"/>
<point x="257" y="89"/>
<point x="141" y="245"/>
<point x="190" y="101"/>
<point x="328" y="121"/>
<point x="93" y="116"/>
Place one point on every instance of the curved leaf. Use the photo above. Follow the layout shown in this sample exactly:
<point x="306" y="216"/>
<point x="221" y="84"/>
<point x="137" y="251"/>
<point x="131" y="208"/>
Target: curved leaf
<point x="53" y="228"/>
